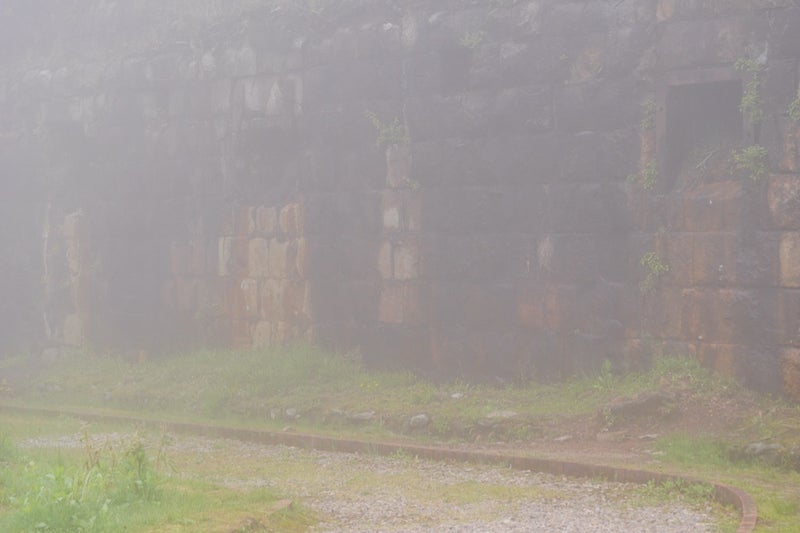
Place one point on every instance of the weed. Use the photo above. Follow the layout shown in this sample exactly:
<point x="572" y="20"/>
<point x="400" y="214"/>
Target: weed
<point x="472" y="39"/>
<point x="794" y="108"/>
<point x="606" y="380"/>
<point x="654" y="268"/>
<point x="751" y="106"/>
<point x="647" y="178"/>
<point x="389" y="133"/>
<point x="677" y="488"/>
<point x="649" y="109"/>
<point x="752" y="159"/>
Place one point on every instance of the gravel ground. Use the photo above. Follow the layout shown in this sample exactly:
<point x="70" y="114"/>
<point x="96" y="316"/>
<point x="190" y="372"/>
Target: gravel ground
<point x="369" y="493"/>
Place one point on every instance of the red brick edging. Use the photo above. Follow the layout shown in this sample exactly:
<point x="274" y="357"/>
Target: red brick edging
<point x="723" y="493"/>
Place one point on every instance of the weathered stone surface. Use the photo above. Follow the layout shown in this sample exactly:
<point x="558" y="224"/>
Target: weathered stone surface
<point x="713" y="206"/>
<point x="398" y="166"/>
<point x="291" y="220"/>
<point x="386" y="261"/>
<point x="791" y="372"/>
<point x="272" y="297"/>
<point x="790" y="259"/>
<point x="178" y="259"/>
<point x="596" y="106"/>
<point x="278" y="258"/>
<point x="784" y="201"/>
<point x="232" y="256"/>
<point x="406" y="260"/>
<point x="250" y="297"/>
<point x="258" y="258"/>
<point x="266" y="220"/>
<point x="402" y="303"/>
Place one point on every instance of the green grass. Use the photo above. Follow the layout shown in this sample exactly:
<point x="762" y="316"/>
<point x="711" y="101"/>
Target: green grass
<point x="319" y="390"/>
<point x="122" y="486"/>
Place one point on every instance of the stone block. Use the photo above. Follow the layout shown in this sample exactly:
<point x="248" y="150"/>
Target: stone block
<point x="721" y="358"/>
<point x="74" y="226"/>
<point x="708" y="41"/>
<point x="790" y="259"/>
<point x="678" y="249"/>
<point x="599" y="156"/>
<point x="250" y="297"/>
<point x="279" y="259"/>
<point x="787" y="323"/>
<point x="791" y="372"/>
<point x="589" y="208"/>
<point x="715" y="206"/>
<point x="239" y="221"/>
<point x="272" y="296"/>
<point x="386" y="261"/>
<point x="232" y="256"/>
<point x="302" y="258"/>
<point x="522" y="110"/>
<point x="783" y="38"/>
<point x="266" y="220"/>
<point x="178" y="259"/>
<point x="661" y="315"/>
<point x="296" y="302"/>
<point x="784" y="201"/>
<point x="406" y="258"/>
<point x="398" y="166"/>
<point x="549" y="309"/>
<point x="402" y="303"/>
<point x="291" y="220"/>
<point x="196" y="258"/>
<point x="258" y="258"/>
<point x="262" y="334"/>
<point x="391" y="218"/>
<point x="241" y="334"/>
<point x="597" y="106"/>
<point x="74" y="329"/>
<point x="210" y="298"/>
<point x="186" y="294"/>
<point x="735" y="258"/>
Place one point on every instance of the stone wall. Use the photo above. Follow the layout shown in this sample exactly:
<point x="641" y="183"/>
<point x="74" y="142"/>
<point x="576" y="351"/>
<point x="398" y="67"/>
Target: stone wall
<point x="494" y="189"/>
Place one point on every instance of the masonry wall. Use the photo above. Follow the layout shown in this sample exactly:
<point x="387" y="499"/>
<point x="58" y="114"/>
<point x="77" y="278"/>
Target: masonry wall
<point x="464" y="188"/>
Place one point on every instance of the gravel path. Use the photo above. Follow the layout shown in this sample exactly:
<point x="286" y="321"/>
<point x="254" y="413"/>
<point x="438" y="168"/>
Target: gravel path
<point x="369" y="493"/>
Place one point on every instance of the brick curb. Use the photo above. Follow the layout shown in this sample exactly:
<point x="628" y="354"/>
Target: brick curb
<point x="724" y="494"/>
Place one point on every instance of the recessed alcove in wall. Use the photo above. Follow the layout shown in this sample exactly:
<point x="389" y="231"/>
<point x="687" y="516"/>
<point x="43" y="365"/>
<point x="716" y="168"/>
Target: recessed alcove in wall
<point x="699" y="118"/>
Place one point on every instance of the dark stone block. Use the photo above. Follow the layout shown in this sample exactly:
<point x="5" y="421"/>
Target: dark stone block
<point x="524" y="110"/>
<point x="740" y="259"/>
<point x="482" y="257"/>
<point x="600" y="157"/>
<point x="588" y="208"/>
<point x="463" y="116"/>
<point x="786" y="328"/>
<point x="605" y="105"/>
<point x="501" y="161"/>
<point x="697" y="42"/>
<point x="783" y="36"/>
<point x="574" y="258"/>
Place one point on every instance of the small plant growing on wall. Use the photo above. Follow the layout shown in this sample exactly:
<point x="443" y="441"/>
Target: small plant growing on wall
<point x="794" y="107"/>
<point x="654" y="269"/>
<point x="646" y="179"/>
<point x="649" y="109"/>
<point x="472" y="39"/>
<point x="753" y="160"/>
<point x="752" y="106"/>
<point x="392" y="132"/>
